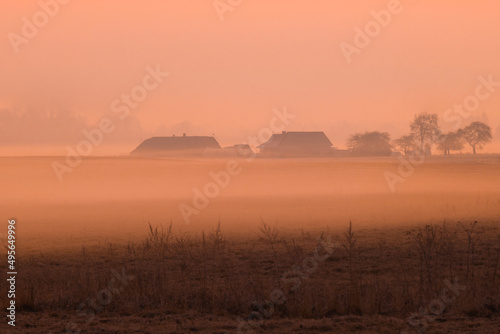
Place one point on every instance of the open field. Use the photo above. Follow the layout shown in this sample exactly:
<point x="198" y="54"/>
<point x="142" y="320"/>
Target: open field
<point x="115" y="198"/>
<point x="283" y="228"/>
<point x="371" y="281"/>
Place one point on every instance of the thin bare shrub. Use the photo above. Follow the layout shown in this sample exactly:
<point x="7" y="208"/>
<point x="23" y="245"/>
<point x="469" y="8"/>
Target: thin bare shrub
<point x="349" y="243"/>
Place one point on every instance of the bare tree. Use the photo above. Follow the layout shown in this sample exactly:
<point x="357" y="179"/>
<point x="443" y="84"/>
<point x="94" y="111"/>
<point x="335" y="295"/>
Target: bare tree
<point x="476" y="134"/>
<point x="425" y="128"/>
<point x="405" y="143"/>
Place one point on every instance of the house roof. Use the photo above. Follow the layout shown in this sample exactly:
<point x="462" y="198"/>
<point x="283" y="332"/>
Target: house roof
<point x="158" y="144"/>
<point x="274" y="141"/>
<point x="297" y="139"/>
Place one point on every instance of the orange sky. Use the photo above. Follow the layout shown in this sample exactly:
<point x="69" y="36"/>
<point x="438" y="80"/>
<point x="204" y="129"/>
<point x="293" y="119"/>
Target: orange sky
<point x="227" y="76"/>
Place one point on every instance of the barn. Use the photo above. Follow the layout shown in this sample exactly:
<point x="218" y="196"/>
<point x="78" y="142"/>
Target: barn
<point x="296" y="144"/>
<point x="176" y="146"/>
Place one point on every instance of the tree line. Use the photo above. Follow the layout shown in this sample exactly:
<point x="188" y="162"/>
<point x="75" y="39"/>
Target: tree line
<point x="425" y="133"/>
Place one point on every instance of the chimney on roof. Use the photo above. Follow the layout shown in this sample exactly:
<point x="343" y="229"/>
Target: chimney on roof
<point x="184" y="134"/>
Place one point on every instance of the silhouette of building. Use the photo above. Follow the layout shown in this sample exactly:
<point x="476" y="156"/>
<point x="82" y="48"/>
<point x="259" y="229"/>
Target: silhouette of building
<point x="235" y="151"/>
<point x="193" y="146"/>
<point x="296" y="144"/>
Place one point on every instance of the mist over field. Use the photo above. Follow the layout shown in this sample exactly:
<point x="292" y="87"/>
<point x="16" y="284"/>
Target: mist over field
<point x="108" y="198"/>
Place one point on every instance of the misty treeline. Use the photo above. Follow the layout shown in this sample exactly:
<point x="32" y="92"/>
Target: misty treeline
<point x="425" y="133"/>
<point x="50" y="126"/>
<point x="315" y="274"/>
<point x="46" y="126"/>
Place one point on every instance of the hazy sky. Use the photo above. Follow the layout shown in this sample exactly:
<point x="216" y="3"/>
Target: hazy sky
<point x="225" y="77"/>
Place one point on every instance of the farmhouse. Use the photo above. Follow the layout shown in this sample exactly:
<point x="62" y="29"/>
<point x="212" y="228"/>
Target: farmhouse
<point x="185" y="146"/>
<point x="235" y="151"/>
<point x="296" y="144"/>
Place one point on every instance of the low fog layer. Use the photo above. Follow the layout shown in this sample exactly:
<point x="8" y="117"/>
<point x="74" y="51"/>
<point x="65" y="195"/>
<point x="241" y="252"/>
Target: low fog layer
<point x="117" y="197"/>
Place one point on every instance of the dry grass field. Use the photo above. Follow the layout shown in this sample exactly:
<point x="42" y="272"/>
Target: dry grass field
<point x="107" y="250"/>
